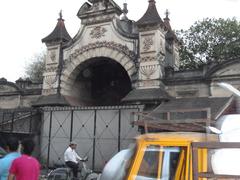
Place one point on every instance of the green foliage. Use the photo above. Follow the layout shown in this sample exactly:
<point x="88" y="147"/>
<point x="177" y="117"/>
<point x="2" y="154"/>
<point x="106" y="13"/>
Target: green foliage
<point x="209" y="41"/>
<point x="34" y="70"/>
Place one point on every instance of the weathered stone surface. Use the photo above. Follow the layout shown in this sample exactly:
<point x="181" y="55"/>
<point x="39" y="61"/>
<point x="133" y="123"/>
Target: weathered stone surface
<point x="127" y="54"/>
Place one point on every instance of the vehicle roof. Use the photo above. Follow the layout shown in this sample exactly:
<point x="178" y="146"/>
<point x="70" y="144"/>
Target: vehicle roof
<point x="178" y="136"/>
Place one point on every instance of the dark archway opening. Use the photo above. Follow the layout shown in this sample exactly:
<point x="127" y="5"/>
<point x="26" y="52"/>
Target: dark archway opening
<point x="102" y="82"/>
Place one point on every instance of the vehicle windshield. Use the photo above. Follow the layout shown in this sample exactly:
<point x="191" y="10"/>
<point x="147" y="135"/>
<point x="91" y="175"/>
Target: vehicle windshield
<point x="118" y="166"/>
<point x="161" y="162"/>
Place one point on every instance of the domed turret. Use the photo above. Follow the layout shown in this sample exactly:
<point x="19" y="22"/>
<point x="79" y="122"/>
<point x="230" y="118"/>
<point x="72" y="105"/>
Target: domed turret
<point x="59" y="34"/>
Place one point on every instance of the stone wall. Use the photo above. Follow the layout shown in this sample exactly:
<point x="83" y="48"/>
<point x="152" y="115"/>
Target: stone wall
<point x="18" y="95"/>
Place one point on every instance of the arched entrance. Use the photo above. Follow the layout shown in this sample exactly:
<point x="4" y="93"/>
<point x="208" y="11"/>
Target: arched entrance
<point x="100" y="81"/>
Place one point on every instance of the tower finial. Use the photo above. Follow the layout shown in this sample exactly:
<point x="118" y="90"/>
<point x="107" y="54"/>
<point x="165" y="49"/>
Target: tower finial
<point x="125" y="11"/>
<point x="167" y="20"/>
<point x="152" y="1"/>
<point x="167" y="14"/>
<point x="60" y="14"/>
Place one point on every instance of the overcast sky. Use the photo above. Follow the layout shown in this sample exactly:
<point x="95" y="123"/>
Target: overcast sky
<point x="25" y="22"/>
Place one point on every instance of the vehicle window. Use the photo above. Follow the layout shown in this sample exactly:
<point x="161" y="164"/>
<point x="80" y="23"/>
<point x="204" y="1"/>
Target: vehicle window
<point x="174" y="157"/>
<point x="149" y="164"/>
<point x="162" y="163"/>
<point x="170" y="162"/>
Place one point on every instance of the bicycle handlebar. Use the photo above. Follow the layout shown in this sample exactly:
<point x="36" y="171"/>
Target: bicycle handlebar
<point x="85" y="159"/>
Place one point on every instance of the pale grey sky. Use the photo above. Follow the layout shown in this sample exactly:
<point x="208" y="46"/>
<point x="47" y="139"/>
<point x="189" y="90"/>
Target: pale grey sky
<point x="24" y="23"/>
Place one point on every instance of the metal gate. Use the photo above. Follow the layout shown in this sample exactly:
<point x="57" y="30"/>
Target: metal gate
<point x="100" y="132"/>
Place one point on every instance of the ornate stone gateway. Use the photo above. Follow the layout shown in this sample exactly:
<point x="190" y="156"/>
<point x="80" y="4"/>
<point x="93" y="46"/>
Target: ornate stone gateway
<point x="109" y="57"/>
<point x="110" y="63"/>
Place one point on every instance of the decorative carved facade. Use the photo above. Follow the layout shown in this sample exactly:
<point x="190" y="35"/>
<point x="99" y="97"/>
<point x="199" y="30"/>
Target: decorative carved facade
<point x="147" y="43"/>
<point x="104" y="44"/>
<point x="113" y="57"/>
<point x="147" y="50"/>
<point x="98" y="32"/>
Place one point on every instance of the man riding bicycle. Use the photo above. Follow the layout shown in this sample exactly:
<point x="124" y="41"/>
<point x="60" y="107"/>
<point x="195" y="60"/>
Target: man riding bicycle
<point x="71" y="158"/>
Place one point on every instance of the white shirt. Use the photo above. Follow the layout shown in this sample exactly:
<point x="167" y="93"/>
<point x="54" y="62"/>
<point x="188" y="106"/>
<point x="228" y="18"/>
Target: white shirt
<point x="71" y="155"/>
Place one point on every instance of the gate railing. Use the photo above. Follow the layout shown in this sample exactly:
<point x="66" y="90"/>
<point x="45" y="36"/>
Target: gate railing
<point x="19" y="120"/>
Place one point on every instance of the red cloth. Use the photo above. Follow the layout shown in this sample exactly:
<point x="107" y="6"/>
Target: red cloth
<point x="25" y="168"/>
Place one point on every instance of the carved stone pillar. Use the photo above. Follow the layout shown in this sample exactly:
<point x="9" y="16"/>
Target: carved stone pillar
<point x="152" y="55"/>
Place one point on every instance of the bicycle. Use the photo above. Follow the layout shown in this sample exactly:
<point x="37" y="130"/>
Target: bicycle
<point x="65" y="173"/>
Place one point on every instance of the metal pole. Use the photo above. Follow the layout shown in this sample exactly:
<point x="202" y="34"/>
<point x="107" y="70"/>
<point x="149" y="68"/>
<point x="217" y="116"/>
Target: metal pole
<point x="71" y="128"/>
<point x="94" y="139"/>
<point x="119" y="130"/>
<point x="208" y="123"/>
<point x="12" y="122"/>
<point x="49" y="139"/>
<point x="30" y="123"/>
<point x="3" y="116"/>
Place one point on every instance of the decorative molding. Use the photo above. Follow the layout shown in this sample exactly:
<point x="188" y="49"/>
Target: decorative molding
<point x="160" y="56"/>
<point x="51" y="68"/>
<point x="147" y="43"/>
<point x="97" y="20"/>
<point x="148" y="70"/>
<point x="147" y="59"/>
<point x="148" y="83"/>
<point x="110" y="45"/>
<point x="53" y="56"/>
<point x="187" y="93"/>
<point x="147" y="34"/>
<point x="151" y="27"/>
<point x="98" y="32"/>
<point x="50" y="80"/>
<point x="96" y="6"/>
<point x="49" y="91"/>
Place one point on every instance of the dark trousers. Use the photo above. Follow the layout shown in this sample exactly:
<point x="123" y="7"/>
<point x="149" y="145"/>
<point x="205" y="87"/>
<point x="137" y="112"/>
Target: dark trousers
<point x="74" y="167"/>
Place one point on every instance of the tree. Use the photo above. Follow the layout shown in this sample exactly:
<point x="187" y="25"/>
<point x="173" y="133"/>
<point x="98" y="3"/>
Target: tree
<point x="209" y="41"/>
<point x="34" y="70"/>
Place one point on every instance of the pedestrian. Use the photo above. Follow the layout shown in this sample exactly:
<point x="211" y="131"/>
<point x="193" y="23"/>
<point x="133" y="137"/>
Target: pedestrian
<point x="25" y="167"/>
<point x="71" y="158"/>
<point x="5" y="163"/>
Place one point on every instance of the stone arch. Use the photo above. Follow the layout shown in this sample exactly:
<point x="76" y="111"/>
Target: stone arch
<point x="222" y="66"/>
<point x="110" y="50"/>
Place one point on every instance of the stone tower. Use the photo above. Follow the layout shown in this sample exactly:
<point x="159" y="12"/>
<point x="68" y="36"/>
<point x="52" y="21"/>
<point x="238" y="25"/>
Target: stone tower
<point x="55" y="42"/>
<point x="157" y="48"/>
<point x="158" y="54"/>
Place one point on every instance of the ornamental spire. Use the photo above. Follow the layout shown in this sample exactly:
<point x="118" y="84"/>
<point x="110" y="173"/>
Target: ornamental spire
<point x="151" y="16"/>
<point x="152" y="1"/>
<point x="167" y="14"/>
<point x="167" y="20"/>
<point x="59" y="34"/>
<point x="125" y="11"/>
<point x="60" y="15"/>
